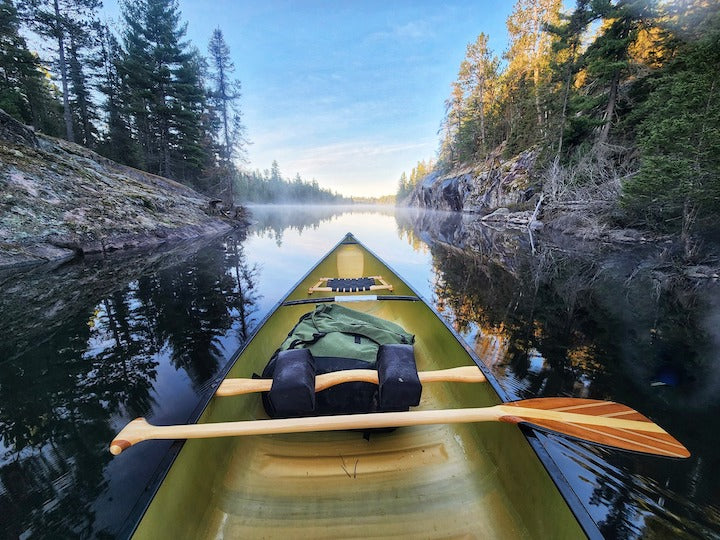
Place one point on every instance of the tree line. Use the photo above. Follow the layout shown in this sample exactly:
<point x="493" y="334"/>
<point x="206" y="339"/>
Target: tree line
<point x="141" y="94"/>
<point x="407" y="183"/>
<point x="619" y="89"/>
<point x="269" y="186"/>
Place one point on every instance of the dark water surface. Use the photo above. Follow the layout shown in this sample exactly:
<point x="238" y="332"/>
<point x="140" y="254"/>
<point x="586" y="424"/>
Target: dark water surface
<point x="87" y="346"/>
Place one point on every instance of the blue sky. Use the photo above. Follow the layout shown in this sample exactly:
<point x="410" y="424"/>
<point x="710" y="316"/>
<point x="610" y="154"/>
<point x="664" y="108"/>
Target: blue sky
<point x="350" y="93"/>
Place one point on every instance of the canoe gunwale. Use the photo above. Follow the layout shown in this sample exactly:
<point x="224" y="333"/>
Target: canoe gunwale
<point x="556" y="475"/>
<point x="166" y="463"/>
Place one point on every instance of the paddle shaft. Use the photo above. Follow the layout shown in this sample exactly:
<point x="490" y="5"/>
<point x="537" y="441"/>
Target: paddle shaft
<point x="139" y="430"/>
<point x="468" y="374"/>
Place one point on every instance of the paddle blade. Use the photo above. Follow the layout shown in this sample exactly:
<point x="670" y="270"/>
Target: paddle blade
<point x="602" y="422"/>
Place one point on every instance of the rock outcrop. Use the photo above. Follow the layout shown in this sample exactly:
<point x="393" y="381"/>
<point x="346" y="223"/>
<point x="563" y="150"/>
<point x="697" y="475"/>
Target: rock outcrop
<point x="481" y="189"/>
<point x="59" y="199"/>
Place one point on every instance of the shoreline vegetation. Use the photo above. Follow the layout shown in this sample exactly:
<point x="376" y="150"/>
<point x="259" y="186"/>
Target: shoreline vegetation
<point x="602" y="122"/>
<point x="60" y="200"/>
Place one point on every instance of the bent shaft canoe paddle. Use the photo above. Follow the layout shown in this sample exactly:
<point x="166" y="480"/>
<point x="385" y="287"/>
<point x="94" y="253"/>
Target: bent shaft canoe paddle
<point x="602" y="422"/>
<point x="234" y="387"/>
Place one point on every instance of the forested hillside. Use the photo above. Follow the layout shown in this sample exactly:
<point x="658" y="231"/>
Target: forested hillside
<point x="620" y="97"/>
<point x="140" y="94"/>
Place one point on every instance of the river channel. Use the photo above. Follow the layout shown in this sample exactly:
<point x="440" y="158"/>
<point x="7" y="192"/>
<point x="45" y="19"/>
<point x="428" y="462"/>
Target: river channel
<point x="87" y="346"/>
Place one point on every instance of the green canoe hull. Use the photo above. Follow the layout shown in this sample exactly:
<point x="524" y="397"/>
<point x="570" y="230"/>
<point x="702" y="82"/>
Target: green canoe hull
<point x="450" y="481"/>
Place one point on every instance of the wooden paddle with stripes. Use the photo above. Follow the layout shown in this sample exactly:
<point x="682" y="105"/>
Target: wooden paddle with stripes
<point x="602" y="422"/>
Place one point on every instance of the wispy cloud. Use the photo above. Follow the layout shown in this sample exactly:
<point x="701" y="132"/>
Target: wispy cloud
<point x="415" y="30"/>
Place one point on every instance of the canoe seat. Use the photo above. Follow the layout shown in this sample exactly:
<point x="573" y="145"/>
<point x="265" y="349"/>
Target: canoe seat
<point x="371" y="283"/>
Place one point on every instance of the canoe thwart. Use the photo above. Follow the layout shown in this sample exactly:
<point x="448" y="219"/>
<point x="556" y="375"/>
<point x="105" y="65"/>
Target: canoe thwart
<point x="466" y="374"/>
<point x="369" y="283"/>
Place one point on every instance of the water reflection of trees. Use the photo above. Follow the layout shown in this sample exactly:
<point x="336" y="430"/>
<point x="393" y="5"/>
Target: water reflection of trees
<point x="274" y="220"/>
<point x="578" y="320"/>
<point x="68" y="377"/>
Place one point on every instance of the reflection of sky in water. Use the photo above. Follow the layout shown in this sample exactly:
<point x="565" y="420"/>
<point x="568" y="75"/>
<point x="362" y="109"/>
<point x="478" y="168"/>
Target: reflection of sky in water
<point x="281" y="266"/>
<point x="600" y="346"/>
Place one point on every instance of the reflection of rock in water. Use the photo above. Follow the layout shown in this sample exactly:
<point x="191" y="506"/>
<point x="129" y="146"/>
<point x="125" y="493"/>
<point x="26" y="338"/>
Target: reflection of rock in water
<point x="588" y="309"/>
<point x="467" y="233"/>
<point x="581" y="320"/>
<point x="50" y="295"/>
<point x="88" y="345"/>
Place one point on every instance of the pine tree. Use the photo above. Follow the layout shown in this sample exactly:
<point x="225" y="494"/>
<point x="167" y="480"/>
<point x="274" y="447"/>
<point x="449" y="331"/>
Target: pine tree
<point x="117" y="143"/>
<point x="82" y="105"/>
<point x="25" y="92"/>
<point x="527" y="75"/>
<point x="192" y="122"/>
<point x="58" y="20"/>
<point x="607" y="63"/>
<point x="567" y="49"/>
<point x="678" y="184"/>
<point x="225" y="95"/>
<point x="477" y="79"/>
<point x="162" y="90"/>
<point x="403" y="189"/>
<point x="451" y="127"/>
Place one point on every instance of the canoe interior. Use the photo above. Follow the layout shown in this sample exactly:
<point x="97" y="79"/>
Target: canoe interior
<point x="469" y="481"/>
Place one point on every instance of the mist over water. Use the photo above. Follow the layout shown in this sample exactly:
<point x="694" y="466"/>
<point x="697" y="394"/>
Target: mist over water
<point x="87" y="346"/>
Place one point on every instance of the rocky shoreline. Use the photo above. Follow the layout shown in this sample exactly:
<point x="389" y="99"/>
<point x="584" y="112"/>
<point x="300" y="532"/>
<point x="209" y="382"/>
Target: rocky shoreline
<point x="511" y="193"/>
<point x="519" y="193"/>
<point x="59" y="200"/>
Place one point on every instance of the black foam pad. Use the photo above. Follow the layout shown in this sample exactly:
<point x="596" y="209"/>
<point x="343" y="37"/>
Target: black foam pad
<point x="293" y="387"/>
<point x="399" y="383"/>
<point x="350" y="284"/>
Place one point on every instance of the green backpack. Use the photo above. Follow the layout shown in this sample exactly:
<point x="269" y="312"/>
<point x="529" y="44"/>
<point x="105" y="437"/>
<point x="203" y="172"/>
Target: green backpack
<point x="334" y="338"/>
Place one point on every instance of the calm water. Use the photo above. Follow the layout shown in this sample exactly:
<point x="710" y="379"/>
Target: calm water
<point x="87" y="346"/>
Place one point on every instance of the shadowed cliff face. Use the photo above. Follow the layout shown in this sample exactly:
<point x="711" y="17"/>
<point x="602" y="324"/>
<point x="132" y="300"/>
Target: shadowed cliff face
<point x="58" y="199"/>
<point x="482" y="188"/>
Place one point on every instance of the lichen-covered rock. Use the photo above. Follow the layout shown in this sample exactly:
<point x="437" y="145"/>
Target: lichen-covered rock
<point x="13" y="131"/>
<point x="480" y="189"/>
<point x="58" y="199"/>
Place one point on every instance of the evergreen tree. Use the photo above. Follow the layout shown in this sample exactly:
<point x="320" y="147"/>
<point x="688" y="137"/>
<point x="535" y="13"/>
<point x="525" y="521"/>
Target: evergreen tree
<point x="117" y="143"/>
<point x="162" y="90"/>
<point x="82" y="104"/>
<point x="403" y="187"/>
<point x="567" y="49"/>
<point x="225" y="95"/>
<point x="25" y="92"/>
<point x="192" y="122"/>
<point x="466" y="128"/>
<point x="270" y="187"/>
<point x="607" y="63"/>
<point x="58" y="20"/>
<point x="451" y="126"/>
<point x="527" y="75"/>
<point x="678" y="184"/>
<point x="477" y="79"/>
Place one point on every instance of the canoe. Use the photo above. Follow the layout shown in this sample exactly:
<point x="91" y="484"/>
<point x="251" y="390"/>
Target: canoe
<point x="445" y="480"/>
